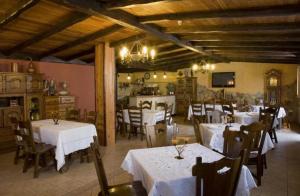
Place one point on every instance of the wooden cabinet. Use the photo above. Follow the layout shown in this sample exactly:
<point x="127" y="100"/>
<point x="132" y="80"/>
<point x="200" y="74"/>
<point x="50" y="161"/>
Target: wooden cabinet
<point x="58" y="104"/>
<point x="11" y="112"/>
<point x="186" y="89"/>
<point x="15" y="83"/>
<point x="34" y="83"/>
<point x="34" y="106"/>
<point x="1" y="84"/>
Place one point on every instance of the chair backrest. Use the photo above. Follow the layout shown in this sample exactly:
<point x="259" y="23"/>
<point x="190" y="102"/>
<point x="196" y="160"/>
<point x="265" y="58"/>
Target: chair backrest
<point x="119" y="114"/>
<point x="257" y="134"/>
<point x="196" y="124"/>
<point x="25" y="131"/>
<point x="161" y="105"/>
<point x="146" y="105"/>
<point x="99" y="168"/>
<point x="228" y="108"/>
<point x="168" y="114"/>
<point x="209" y="106"/>
<point x="218" y="178"/>
<point x="156" y="136"/>
<point x="135" y="116"/>
<point x="90" y="117"/>
<point x="197" y="108"/>
<point x="268" y="115"/>
<point x="235" y="142"/>
<point x="73" y="114"/>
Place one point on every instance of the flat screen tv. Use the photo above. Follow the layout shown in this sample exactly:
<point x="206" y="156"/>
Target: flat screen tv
<point x="223" y="79"/>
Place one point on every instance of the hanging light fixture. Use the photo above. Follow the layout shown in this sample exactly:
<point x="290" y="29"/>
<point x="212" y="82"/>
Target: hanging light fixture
<point x="154" y="75"/>
<point x="128" y="77"/>
<point x="204" y="66"/>
<point x="165" y="75"/>
<point x="138" y="52"/>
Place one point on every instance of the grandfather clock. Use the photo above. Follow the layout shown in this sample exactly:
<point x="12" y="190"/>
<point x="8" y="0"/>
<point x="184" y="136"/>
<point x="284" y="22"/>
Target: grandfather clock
<point x="272" y="94"/>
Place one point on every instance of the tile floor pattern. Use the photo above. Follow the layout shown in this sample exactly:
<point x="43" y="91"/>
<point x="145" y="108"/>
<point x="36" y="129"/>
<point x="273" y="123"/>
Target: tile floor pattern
<point x="282" y="177"/>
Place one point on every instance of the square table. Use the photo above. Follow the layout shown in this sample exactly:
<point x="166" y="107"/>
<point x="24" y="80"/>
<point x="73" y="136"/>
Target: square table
<point x="162" y="174"/>
<point x="67" y="136"/>
<point x="151" y="117"/>
<point x="212" y="136"/>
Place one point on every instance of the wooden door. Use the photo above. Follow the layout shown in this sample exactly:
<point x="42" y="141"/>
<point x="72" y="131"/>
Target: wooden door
<point x="34" y="83"/>
<point x="15" y="83"/>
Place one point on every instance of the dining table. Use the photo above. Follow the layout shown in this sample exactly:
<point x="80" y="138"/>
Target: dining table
<point x="212" y="136"/>
<point x="66" y="136"/>
<point x="162" y="174"/>
<point x="246" y="118"/>
<point x="151" y="117"/>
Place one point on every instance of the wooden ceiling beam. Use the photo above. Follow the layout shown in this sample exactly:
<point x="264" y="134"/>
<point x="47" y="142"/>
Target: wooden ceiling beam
<point x="90" y="37"/>
<point x="277" y="44"/>
<point x="240" y="48"/>
<point x="71" y="20"/>
<point x="118" y="4"/>
<point x="282" y="10"/>
<point x="92" y="7"/>
<point x="264" y="60"/>
<point x="173" y="54"/>
<point x="21" y="7"/>
<point x="128" y="40"/>
<point x="289" y="26"/>
<point x="242" y="37"/>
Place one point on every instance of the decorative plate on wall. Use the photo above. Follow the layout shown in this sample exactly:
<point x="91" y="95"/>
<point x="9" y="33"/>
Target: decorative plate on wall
<point x="147" y="76"/>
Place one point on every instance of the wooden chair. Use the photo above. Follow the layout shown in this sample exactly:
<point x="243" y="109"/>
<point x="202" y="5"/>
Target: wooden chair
<point x="136" y="121"/>
<point x="229" y="110"/>
<point x="273" y="113"/>
<point x="197" y="109"/>
<point x="146" y="105"/>
<point x="73" y="115"/>
<point x="209" y="106"/>
<point x="212" y="179"/>
<point x="131" y="189"/>
<point x="257" y="132"/>
<point x="20" y="144"/>
<point x="168" y="114"/>
<point x="196" y="124"/>
<point x="34" y="150"/>
<point x="90" y="117"/>
<point x="161" y="105"/>
<point x="121" y="125"/>
<point x="156" y="137"/>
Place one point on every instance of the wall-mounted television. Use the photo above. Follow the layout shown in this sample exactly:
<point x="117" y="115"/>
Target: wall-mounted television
<point x="223" y="79"/>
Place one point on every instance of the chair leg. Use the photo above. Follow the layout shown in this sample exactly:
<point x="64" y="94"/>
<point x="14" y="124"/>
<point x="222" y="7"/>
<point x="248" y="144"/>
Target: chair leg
<point x="17" y="155"/>
<point x="36" y="166"/>
<point x="275" y="136"/>
<point x="265" y="160"/>
<point x="25" y="166"/>
<point x="259" y="169"/>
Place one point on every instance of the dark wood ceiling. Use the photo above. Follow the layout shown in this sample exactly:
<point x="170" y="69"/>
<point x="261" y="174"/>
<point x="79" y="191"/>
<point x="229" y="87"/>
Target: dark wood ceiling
<point x="183" y="31"/>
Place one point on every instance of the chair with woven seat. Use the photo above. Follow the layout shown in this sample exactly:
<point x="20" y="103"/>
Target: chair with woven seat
<point x="197" y="132"/>
<point x="197" y="110"/>
<point x="156" y="136"/>
<point x="18" y="138"/>
<point x="34" y="150"/>
<point x="209" y="107"/>
<point x="136" y="122"/>
<point x="130" y="189"/>
<point x="229" y="110"/>
<point x="219" y="178"/>
<point x="273" y="113"/>
<point x="121" y="125"/>
<point x="146" y="105"/>
<point x="73" y="115"/>
<point x="257" y="132"/>
<point x="90" y="117"/>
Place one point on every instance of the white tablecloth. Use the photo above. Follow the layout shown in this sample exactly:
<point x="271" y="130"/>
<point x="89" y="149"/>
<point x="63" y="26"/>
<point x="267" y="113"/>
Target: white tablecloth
<point x="246" y="118"/>
<point x="281" y="113"/>
<point x="151" y="117"/>
<point x="218" y="107"/>
<point x="212" y="136"/>
<point x="67" y="136"/>
<point x="163" y="175"/>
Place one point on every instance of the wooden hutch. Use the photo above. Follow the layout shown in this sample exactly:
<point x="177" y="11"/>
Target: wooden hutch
<point x="21" y="95"/>
<point x="186" y="89"/>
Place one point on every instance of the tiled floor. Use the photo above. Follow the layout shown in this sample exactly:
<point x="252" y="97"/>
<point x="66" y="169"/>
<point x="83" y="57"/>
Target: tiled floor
<point x="281" y="178"/>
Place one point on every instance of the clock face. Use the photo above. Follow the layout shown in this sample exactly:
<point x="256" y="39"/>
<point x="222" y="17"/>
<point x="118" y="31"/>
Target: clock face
<point x="147" y="76"/>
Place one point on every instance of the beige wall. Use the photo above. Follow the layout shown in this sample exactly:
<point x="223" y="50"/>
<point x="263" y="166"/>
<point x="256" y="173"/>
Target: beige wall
<point x="250" y="76"/>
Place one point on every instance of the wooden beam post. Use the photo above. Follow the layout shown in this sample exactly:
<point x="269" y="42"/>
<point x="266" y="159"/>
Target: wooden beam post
<point x="105" y="93"/>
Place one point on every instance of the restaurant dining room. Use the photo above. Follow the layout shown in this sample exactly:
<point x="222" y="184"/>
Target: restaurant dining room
<point x="150" y="97"/>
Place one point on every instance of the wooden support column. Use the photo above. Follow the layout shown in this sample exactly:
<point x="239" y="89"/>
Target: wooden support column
<point x="105" y="92"/>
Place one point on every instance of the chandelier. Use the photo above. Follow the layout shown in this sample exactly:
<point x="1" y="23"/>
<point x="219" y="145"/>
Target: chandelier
<point x="138" y="52"/>
<point x="203" y="66"/>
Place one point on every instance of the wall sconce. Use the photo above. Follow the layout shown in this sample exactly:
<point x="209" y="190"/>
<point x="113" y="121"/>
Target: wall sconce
<point x="165" y="75"/>
<point x="128" y="77"/>
<point x="154" y="75"/>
